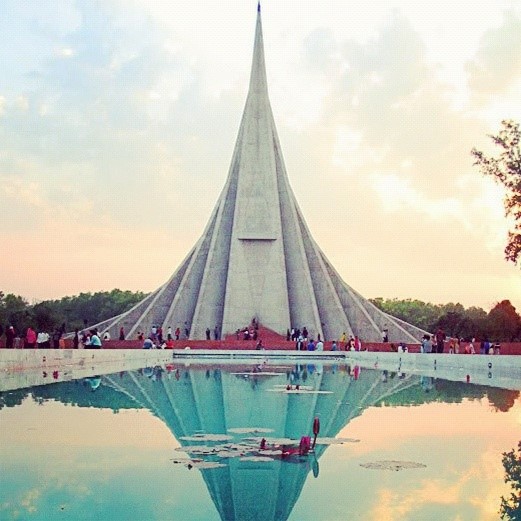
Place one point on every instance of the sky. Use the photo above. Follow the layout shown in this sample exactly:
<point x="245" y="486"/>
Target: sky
<point x="118" y="121"/>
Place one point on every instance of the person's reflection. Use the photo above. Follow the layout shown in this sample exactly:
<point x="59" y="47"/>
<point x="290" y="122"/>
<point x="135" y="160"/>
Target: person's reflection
<point x="426" y="383"/>
<point x="93" y="382"/>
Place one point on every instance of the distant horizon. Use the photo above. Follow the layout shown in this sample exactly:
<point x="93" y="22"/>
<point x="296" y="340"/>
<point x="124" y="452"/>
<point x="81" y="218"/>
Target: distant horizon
<point x="33" y="301"/>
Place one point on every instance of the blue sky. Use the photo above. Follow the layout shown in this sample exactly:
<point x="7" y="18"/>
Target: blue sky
<point x="118" y="121"/>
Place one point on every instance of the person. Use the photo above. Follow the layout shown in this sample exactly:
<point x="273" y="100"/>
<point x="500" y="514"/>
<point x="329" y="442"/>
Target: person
<point x="358" y="344"/>
<point x="187" y="330"/>
<point x="9" y="337"/>
<point x="334" y="346"/>
<point x="30" y="338"/>
<point x="148" y="343"/>
<point x="440" y="337"/>
<point x="259" y="345"/>
<point x="95" y="340"/>
<point x="40" y="340"/>
<point x="76" y="339"/>
<point x="426" y="344"/>
<point x="319" y="346"/>
<point x="169" y="333"/>
<point x="106" y="336"/>
<point x="311" y="345"/>
<point x="56" y="338"/>
<point x="177" y="333"/>
<point x="216" y="332"/>
<point x="385" y="335"/>
<point x="121" y="333"/>
<point x="208" y="332"/>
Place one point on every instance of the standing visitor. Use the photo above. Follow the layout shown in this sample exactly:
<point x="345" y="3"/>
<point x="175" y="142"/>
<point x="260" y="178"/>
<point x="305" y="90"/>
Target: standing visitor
<point x="56" y="338"/>
<point x="440" y="337"/>
<point x="76" y="339"/>
<point x="30" y="338"/>
<point x="426" y="344"/>
<point x="121" y="333"/>
<point x="208" y="333"/>
<point x="9" y="337"/>
<point x="216" y="332"/>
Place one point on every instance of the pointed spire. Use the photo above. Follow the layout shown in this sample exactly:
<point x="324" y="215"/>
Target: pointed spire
<point x="258" y="68"/>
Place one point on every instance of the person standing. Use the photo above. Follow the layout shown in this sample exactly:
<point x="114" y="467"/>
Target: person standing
<point x="9" y="337"/>
<point x="121" y="333"/>
<point x="426" y="345"/>
<point x="30" y="338"/>
<point x="440" y="340"/>
<point x="76" y="339"/>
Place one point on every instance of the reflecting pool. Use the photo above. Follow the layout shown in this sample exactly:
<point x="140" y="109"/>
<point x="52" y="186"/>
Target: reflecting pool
<point x="183" y="442"/>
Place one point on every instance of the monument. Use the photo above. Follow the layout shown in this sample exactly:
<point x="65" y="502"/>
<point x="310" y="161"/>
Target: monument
<point x="256" y="259"/>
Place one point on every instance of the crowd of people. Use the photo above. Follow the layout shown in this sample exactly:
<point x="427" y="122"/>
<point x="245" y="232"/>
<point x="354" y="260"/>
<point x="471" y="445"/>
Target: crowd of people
<point x="439" y="342"/>
<point x="31" y="338"/>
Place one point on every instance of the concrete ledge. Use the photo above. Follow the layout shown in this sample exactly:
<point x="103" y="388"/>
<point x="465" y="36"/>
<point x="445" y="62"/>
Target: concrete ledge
<point x="24" y="368"/>
<point x="494" y="370"/>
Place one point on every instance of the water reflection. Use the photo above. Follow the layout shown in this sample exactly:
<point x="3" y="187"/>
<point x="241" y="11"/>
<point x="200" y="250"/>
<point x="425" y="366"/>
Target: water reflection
<point x="243" y="404"/>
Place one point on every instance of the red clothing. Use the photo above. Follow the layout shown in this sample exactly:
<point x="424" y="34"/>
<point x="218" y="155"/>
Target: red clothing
<point x="30" y="336"/>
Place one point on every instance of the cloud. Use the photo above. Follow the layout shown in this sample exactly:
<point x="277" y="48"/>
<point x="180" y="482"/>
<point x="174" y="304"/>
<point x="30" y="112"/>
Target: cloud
<point x="497" y="63"/>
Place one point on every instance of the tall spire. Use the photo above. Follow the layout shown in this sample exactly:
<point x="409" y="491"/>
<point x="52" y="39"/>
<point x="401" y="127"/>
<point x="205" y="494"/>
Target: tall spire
<point x="256" y="258"/>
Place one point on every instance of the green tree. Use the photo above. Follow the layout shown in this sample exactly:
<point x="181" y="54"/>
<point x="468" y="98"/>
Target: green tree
<point x="506" y="170"/>
<point x="511" y="506"/>
<point x="503" y="322"/>
<point x="14" y="312"/>
<point x="420" y="314"/>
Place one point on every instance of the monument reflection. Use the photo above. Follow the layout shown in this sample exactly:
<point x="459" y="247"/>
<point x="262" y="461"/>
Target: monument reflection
<point x="234" y="403"/>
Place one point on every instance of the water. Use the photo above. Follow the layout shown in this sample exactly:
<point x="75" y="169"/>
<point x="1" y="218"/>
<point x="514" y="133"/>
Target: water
<point x="108" y="447"/>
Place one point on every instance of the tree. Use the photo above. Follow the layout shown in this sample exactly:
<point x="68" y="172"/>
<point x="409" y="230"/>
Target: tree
<point x="511" y="506"/>
<point x="13" y="311"/>
<point x="504" y="322"/>
<point x="506" y="170"/>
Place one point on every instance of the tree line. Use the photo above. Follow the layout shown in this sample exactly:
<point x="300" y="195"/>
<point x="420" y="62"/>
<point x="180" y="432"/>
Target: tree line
<point x="501" y="324"/>
<point x="67" y="313"/>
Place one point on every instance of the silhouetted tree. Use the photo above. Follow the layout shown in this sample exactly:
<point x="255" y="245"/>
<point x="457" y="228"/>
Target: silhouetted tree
<point x="504" y="323"/>
<point x="506" y="170"/>
<point x="511" y="506"/>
